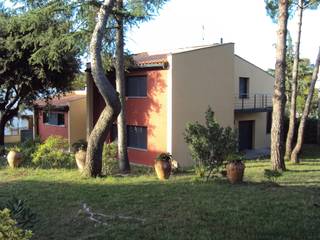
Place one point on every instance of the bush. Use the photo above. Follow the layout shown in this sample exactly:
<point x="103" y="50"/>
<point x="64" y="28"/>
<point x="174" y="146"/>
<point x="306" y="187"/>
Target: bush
<point x="22" y="214"/>
<point x="53" y="153"/>
<point x="210" y="144"/>
<point x="9" y="230"/>
<point x="28" y="148"/>
<point x="109" y="159"/>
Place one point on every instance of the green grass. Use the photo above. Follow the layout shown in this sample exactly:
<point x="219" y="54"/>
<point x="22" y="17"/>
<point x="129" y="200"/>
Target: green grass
<point x="183" y="207"/>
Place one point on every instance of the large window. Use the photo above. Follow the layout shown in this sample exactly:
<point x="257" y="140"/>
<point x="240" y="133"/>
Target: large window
<point x="269" y="122"/>
<point x="53" y="118"/>
<point x="137" y="137"/>
<point x="243" y="87"/>
<point x="136" y="86"/>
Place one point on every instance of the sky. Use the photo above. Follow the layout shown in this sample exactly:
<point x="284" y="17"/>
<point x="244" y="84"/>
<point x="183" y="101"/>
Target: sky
<point x="185" y="23"/>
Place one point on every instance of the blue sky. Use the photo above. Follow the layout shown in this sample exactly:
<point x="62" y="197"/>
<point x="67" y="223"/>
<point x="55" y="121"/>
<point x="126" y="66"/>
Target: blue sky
<point x="180" y="24"/>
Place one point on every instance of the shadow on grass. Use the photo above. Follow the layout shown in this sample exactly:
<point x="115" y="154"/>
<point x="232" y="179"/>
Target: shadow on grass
<point x="180" y="208"/>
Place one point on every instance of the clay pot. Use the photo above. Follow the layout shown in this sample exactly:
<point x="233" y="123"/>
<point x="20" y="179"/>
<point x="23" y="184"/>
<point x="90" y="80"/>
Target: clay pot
<point x="80" y="157"/>
<point x="235" y="171"/>
<point x="14" y="159"/>
<point x="163" y="169"/>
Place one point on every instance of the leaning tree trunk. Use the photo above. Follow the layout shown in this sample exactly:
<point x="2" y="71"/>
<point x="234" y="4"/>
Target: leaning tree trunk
<point x="120" y="83"/>
<point x="277" y="131"/>
<point x="2" y="129"/>
<point x="112" y="108"/>
<point x="306" y="110"/>
<point x="292" y="120"/>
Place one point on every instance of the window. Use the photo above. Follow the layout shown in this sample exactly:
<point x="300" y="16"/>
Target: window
<point x="53" y="118"/>
<point x="243" y="87"/>
<point x="269" y="122"/>
<point x="136" y="86"/>
<point x="137" y="137"/>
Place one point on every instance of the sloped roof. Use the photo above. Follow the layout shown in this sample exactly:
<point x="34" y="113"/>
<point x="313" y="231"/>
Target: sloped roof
<point x="60" y="101"/>
<point x="142" y="59"/>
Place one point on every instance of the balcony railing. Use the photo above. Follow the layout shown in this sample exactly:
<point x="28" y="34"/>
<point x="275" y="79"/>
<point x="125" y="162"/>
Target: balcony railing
<point x="253" y="103"/>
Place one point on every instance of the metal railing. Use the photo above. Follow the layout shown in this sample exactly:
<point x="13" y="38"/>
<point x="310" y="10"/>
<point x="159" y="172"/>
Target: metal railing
<point x="253" y="102"/>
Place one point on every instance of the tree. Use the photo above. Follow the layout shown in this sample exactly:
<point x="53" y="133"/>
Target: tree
<point x="277" y="129"/>
<point x="39" y="58"/>
<point x="120" y="85"/>
<point x="301" y="5"/>
<point x="113" y="105"/>
<point x="297" y="148"/>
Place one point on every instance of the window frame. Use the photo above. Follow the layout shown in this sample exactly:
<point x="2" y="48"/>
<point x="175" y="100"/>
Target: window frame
<point x="46" y="118"/>
<point x="137" y="146"/>
<point x="246" y="94"/>
<point x="127" y="86"/>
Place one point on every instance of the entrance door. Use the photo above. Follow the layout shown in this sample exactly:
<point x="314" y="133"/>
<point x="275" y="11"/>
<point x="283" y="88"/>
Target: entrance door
<point x="245" y="134"/>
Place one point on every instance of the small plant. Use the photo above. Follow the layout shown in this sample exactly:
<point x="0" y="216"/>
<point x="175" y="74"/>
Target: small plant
<point x="22" y="214"/>
<point x="79" y="145"/>
<point x="210" y="144"/>
<point x="9" y="229"/>
<point x="27" y="149"/>
<point x="109" y="159"/>
<point x="272" y="175"/>
<point x="15" y="148"/>
<point x="53" y="153"/>
<point x="167" y="157"/>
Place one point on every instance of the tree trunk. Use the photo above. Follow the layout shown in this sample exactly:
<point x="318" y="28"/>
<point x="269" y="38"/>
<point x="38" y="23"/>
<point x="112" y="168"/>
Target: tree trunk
<point x="2" y="128"/>
<point x="306" y="110"/>
<point x="113" y="107"/>
<point x="318" y="129"/>
<point x="124" y="165"/>
<point x="277" y="131"/>
<point x="292" y="120"/>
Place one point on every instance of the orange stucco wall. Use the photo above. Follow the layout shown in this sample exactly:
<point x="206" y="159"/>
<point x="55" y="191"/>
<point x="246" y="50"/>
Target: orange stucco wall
<point x="46" y="130"/>
<point x="150" y="112"/>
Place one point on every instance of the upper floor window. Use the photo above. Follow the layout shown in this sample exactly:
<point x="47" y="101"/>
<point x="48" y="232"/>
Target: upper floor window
<point x="137" y="137"/>
<point x="53" y="118"/>
<point x="243" y="87"/>
<point x="136" y="86"/>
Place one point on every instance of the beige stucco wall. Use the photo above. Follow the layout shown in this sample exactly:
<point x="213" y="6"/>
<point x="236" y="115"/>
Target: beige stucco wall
<point x="12" y="139"/>
<point x="200" y="78"/>
<point x="260" y="137"/>
<point x="260" y="82"/>
<point x="77" y="120"/>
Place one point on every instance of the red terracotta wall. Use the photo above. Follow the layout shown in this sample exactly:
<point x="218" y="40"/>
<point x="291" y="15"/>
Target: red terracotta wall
<point x="150" y="112"/>
<point x="46" y="130"/>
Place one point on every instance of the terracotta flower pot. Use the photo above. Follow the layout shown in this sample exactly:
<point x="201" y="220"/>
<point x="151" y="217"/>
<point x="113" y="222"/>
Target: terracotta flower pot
<point x="235" y="171"/>
<point x="14" y="159"/>
<point x="163" y="169"/>
<point x="80" y="157"/>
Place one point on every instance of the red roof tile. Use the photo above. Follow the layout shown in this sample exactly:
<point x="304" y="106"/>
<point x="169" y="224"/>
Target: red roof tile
<point x="61" y="101"/>
<point x="144" y="58"/>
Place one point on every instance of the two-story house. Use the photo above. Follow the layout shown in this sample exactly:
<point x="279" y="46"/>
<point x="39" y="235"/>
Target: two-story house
<point x="165" y="91"/>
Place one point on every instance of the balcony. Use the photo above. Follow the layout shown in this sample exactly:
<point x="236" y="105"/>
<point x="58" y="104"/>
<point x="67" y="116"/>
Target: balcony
<point x="253" y="103"/>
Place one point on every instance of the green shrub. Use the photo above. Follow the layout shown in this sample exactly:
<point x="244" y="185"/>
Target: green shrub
<point x="210" y="144"/>
<point x="272" y="175"/>
<point x="109" y="159"/>
<point x="53" y="153"/>
<point x="9" y="230"/>
<point x="28" y="148"/>
<point x="22" y="214"/>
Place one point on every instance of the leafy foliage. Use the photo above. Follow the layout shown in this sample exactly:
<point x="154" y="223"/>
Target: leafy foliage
<point x="210" y="144"/>
<point x="38" y="57"/>
<point x="22" y="214"/>
<point x="167" y="157"/>
<point x="79" y="145"/>
<point x="9" y="230"/>
<point x="272" y="175"/>
<point x="53" y="153"/>
<point x="27" y="149"/>
<point x="109" y="158"/>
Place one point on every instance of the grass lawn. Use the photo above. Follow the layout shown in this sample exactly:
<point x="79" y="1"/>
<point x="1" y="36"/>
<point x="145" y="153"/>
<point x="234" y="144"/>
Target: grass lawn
<point x="141" y="207"/>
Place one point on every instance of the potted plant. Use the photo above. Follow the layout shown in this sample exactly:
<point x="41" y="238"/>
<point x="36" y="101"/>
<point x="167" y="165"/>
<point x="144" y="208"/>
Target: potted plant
<point x="235" y="169"/>
<point x="162" y="165"/>
<point x="80" y="150"/>
<point x="14" y="156"/>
